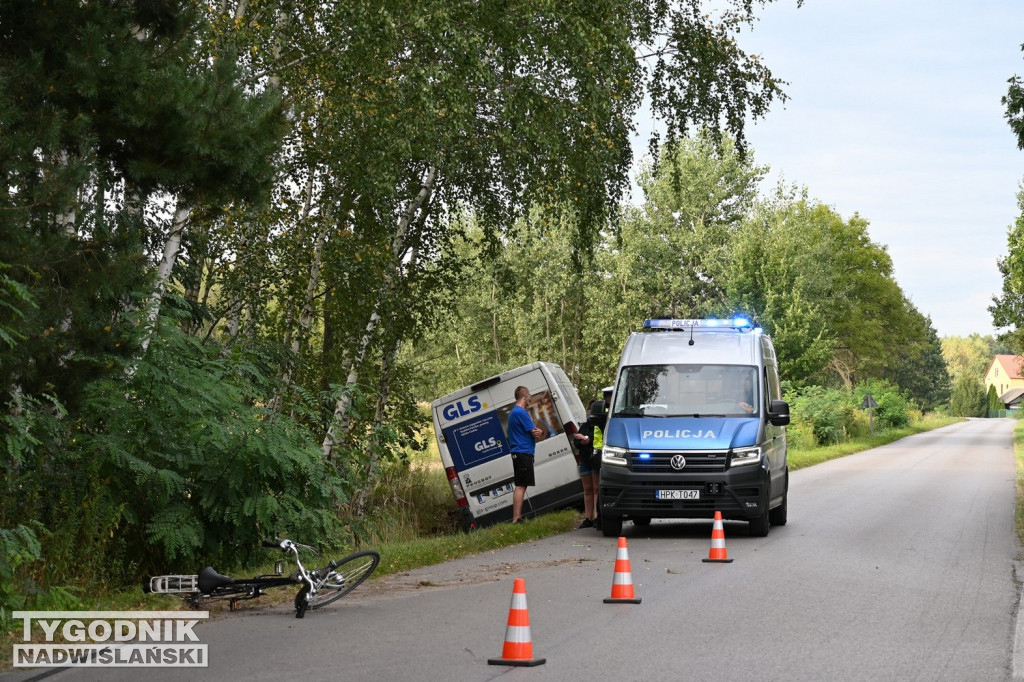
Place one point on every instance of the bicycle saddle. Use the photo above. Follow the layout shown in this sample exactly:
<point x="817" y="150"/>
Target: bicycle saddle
<point x="210" y="580"/>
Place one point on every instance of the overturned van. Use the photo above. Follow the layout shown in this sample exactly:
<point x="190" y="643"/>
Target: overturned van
<point x="696" y="425"/>
<point x="471" y="426"/>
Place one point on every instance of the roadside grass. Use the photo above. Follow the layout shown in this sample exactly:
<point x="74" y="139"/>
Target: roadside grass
<point x="1018" y="453"/>
<point x="805" y="457"/>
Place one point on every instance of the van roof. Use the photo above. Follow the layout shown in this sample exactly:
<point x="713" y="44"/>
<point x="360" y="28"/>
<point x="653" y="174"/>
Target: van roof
<point x="696" y="345"/>
<point x="491" y="381"/>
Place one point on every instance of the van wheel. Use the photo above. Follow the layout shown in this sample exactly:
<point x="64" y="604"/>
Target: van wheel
<point x="759" y="526"/>
<point x="611" y="525"/>
<point x="778" y="515"/>
<point x="642" y="521"/>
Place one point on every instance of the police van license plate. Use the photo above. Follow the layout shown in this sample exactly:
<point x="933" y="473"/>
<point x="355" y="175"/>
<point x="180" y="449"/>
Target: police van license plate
<point x="677" y="494"/>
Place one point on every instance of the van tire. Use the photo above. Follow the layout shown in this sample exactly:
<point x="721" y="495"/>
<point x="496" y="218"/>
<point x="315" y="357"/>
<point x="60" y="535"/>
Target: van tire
<point x="759" y="526"/>
<point x="777" y="516"/>
<point x="611" y="525"/>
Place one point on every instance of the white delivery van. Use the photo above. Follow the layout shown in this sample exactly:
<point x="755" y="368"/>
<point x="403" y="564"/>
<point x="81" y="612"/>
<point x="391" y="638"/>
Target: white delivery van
<point x="471" y="426"/>
<point x="696" y="425"/>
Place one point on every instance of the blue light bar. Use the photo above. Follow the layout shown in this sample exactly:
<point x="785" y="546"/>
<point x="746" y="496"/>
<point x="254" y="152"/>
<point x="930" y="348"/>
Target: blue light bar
<point x="735" y="323"/>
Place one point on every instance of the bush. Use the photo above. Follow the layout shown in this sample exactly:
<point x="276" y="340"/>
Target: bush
<point x="178" y="466"/>
<point x="969" y="398"/>
<point x="861" y="424"/>
<point x="994" y="403"/>
<point x="827" y="416"/>
<point x="825" y="412"/>
<point x="893" y="411"/>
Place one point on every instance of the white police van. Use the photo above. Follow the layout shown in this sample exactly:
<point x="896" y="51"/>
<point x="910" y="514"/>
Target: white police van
<point x="696" y="425"/>
<point x="471" y="426"/>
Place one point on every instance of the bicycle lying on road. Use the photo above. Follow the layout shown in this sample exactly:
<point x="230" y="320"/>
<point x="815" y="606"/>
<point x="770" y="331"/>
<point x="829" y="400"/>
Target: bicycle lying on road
<point x="318" y="588"/>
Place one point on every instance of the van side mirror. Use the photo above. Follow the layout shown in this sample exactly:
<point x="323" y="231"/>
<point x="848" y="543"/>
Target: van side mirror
<point x="778" y="412"/>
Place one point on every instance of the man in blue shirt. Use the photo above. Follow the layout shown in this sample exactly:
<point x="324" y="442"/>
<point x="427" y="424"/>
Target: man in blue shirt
<point x="522" y="438"/>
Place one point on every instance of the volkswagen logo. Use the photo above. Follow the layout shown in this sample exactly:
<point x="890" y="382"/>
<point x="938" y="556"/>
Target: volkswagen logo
<point x="677" y="462"/>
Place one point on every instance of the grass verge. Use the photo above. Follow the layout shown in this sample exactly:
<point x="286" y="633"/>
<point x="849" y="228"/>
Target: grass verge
<point x="1018" y="453"/>
<point x="800" y="458"/>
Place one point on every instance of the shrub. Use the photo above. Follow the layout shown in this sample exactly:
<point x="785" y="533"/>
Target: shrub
<point x="827" y="413"/>
<point x="893" y="409"/>
<point x="968" y="399"/>
<point x="994" y="403"/>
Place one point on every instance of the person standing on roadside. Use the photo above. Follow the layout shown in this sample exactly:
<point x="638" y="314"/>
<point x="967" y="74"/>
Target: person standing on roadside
<point x="589" y="462"/>
<point x="522" y="437"/>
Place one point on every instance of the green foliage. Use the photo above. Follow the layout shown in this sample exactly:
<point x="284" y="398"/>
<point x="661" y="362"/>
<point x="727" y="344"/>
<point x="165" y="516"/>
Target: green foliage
<point x="893" y="411"/>
<point x="148" y="100"/>
<point x="1013" y="100"/>
<point x="826" y="293"/>
<point x="826" y="412"/>
<point x="14" y="298"/>
<point x="674" y="252"/>
<point x="802" y="455"/>
<point x="701" y="245"/>
<point x="971" y="355"/>
<point x="180" y="466"/>
<point x="992" y="401"/>
<point x="1008" y="308"/>
<point x="920" y="370"/>
<point x="832" y="416"/>
<point x="19" y="546"/>
<point x="968" y="398"/>
<point x="413" y="500"/>
<point x="207" y="471"/>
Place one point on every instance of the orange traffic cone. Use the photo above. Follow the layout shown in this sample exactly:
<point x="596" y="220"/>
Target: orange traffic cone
<point x="717" y="553"/>
<point x="622" y="581"/>
<point x="518" y="649"/>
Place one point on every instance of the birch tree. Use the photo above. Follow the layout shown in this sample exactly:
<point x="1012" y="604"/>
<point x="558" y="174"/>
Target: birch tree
<point x="519" y="105"/>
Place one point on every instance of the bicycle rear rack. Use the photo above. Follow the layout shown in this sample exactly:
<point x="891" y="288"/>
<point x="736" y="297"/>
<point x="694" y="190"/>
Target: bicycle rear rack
<point x="174" y="584"/>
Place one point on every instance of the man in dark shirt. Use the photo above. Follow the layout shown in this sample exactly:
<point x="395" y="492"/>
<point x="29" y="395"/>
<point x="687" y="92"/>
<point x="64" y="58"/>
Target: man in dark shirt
<point x="522" y="437"/>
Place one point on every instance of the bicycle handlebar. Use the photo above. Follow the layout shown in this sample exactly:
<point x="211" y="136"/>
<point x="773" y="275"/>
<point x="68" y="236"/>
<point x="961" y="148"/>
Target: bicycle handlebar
<point x="273" y="544"/>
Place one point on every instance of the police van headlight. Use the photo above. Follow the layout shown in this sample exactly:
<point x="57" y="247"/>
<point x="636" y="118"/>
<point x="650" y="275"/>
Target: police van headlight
<point x="614" y="456"/>
<point x="744" y="456"/>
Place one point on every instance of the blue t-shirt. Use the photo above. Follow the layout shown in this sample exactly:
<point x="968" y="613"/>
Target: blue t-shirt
<point x="519" y="426"/>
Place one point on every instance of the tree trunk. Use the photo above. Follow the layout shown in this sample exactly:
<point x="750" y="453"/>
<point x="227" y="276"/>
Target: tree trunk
<point x="296" y="341"/>
<point x="171" y="248"/>
<point x="340" y="421"/>
<point x="494" y="324"/>
<point x="66" y="219"/>
<point x="362" y="497"/>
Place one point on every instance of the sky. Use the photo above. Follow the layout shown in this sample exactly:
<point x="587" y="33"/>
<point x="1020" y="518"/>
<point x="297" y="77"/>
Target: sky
<point x="894" y="114"/>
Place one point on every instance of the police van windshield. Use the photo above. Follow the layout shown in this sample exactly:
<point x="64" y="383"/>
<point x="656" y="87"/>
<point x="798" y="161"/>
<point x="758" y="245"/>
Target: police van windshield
<point x="687" y="391"/>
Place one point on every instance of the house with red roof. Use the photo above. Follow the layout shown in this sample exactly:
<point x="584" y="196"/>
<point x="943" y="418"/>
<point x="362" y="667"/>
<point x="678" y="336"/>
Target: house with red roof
<point x="1005" y="374"/>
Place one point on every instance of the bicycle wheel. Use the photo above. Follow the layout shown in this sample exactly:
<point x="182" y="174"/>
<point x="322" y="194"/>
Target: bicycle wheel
<point x="339" y="578"/>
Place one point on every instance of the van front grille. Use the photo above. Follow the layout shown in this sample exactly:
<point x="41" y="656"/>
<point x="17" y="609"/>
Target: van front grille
<point x="659" y="462"/>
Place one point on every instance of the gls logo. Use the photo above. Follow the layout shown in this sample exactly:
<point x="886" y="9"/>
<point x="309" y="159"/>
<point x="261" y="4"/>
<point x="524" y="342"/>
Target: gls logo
<point x="491" y="442"/>
<point x="457" y="409"/>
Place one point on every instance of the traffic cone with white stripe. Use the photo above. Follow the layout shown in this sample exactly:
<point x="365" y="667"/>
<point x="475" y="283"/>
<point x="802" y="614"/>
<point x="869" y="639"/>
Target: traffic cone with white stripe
<point x="518" y="649"/>
<point x="622" y="581"/>
<point x="717" y="553"/>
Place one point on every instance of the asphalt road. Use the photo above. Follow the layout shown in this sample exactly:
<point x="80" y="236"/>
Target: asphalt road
<point x="897" y="564"/>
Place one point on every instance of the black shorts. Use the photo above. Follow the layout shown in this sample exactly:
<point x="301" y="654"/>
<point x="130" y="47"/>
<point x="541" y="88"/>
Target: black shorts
<point x="522" y="469"/>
